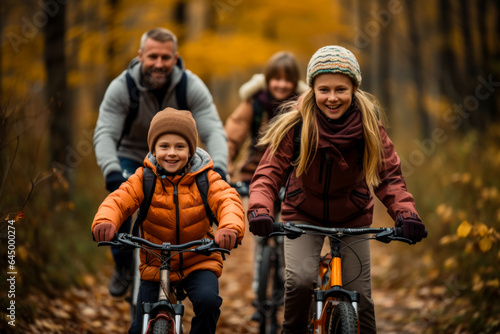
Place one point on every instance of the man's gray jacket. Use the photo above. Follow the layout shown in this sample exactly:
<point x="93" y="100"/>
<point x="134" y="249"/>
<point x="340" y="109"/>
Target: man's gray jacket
<point x="115" y="106"/>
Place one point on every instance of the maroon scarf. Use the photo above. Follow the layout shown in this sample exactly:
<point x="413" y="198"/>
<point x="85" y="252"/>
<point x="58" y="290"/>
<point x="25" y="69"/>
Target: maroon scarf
<point x="342" y="133"/>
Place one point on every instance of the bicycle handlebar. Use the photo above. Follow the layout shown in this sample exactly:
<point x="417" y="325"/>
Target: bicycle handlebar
<point x="383" y="234"/>
<point x="204" y="246"/>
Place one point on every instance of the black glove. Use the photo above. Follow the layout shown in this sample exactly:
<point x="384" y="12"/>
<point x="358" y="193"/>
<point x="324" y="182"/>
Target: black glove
<point x="114" y="180"/>
<point x="413" y="228"/>
<point x="261" y="225"/>
<point x="221" y="173"/>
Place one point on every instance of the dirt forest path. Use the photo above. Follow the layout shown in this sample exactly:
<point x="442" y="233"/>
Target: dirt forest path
<point x="92" y="310"/>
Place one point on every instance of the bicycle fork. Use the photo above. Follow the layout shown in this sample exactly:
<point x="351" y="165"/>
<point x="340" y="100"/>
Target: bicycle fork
<point x="164" y="305"/>
<point x="332" y="292"/>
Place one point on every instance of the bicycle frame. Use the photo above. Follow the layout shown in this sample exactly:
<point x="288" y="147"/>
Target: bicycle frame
<point x="169" y="306"/>
<point x="327" y="296"/>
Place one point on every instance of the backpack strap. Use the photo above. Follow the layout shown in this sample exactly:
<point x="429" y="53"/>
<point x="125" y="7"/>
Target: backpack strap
<point x="258" y="115"/>
<point x="148" y="187"/>
<point x="203" y="185"/>
<point x="180" y="92"/>
<point x="133" y="108"/>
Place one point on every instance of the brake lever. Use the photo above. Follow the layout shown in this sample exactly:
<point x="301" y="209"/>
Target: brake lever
<point x="405" y="240"/>
<point x="384" y="236"/>
<point x="388" y="236"/>
<point x="108" y="243"/>
<point x="292" y="232"/>
<point x="273" y="234"/>
<point x="222" y="251"/>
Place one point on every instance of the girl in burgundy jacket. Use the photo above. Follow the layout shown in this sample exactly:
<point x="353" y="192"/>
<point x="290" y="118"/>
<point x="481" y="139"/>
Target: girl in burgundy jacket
<point x="344" y="151"/>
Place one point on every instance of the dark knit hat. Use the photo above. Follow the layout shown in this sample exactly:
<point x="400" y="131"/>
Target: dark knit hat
<point x="179" y="122"/>
<point x="333" y="59"/>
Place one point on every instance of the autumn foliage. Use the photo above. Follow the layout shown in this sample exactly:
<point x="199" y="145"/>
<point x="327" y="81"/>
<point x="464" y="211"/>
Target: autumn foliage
<point x="434" y="65"/>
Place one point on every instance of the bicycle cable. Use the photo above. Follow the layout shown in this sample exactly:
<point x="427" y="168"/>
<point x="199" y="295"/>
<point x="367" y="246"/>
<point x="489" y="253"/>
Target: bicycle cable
<point x="346" y="245"/>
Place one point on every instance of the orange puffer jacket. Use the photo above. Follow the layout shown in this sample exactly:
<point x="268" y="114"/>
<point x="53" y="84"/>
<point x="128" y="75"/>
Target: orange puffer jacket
<point x="176" y="221"/>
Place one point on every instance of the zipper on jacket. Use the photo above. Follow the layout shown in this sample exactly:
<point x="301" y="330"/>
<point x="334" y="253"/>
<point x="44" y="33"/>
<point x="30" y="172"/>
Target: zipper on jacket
<point x="321" y="167"/>
<point x="177" y="222"/>
<point x="178" y="227"/>
<point x="326" y="200"/>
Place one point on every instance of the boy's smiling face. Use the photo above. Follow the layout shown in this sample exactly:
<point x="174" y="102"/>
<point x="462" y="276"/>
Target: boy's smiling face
<point x="171" y="152"/>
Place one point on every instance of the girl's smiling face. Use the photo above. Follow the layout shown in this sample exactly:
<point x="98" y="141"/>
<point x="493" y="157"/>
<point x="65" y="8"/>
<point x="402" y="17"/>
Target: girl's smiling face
<point x="171" y="152"/>
<point x="280" y="86"/>
<point x="333" y="93"/>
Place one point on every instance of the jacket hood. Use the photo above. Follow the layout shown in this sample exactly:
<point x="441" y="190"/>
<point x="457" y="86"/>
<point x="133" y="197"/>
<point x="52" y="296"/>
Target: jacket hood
<point x="258" y="83"/>
<point x="199" y="162"/>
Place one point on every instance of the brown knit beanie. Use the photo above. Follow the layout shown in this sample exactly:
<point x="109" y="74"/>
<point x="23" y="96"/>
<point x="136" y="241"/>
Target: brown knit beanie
<point x="179" y="122"/>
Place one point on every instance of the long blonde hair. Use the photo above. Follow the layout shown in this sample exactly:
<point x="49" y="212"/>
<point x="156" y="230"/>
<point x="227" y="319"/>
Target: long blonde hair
<point x="273" y="134"/>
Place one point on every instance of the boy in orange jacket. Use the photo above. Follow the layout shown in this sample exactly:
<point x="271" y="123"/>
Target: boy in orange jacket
<point x="177" y="215"/>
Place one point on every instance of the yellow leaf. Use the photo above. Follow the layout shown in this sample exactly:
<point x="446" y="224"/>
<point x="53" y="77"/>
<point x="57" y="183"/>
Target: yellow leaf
<point x="466" y="177"/>
<point x="481" y="229"/>
<point x="22" y="252"/>
<point x="494" y="283"/>
<point x="20" y="216"/>
<point x="485" y="244"/>
<point x="469" y="247"/>
<point x="464" y="229"/>
<point x="477" y="283"/>
<point x="447" y="239"/>
<point x="450" y="263"/>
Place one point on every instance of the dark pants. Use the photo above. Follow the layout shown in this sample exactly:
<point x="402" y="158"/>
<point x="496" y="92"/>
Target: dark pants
<point x="202" y="289"/>
<point x="123" y="258"/>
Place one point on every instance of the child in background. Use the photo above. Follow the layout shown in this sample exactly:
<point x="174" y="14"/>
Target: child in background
<point x="177" y="215"/>
<point x="261" y="98"/>
<point x="344" y="151"/>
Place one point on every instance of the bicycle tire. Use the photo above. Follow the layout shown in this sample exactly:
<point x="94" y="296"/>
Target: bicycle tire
<point x="135" y="284"/>
<point x="161" y="326"/>
<point x="264" y="273"/>
<point x="343" y="320"/>
<point x="266" y="292"/>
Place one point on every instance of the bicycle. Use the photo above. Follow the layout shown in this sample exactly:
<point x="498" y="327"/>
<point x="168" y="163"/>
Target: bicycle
<point x="335" y="309"/>
<point x="164" y="316"/>
<point x="270" y="267"/>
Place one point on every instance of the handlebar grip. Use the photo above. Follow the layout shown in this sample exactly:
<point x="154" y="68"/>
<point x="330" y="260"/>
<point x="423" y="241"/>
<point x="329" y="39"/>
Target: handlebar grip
<point x="398" y="232"/>
<point x="277" y="227"/>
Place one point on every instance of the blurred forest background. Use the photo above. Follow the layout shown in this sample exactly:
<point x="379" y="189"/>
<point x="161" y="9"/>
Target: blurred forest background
<point x="434" y="65"/>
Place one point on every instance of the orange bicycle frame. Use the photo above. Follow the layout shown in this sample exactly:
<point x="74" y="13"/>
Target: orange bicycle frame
<point x="330" y="275"/>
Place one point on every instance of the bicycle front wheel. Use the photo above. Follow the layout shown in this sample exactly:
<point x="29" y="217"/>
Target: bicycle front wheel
<point x="161" y="326"/>
<point x="343" y="320"/>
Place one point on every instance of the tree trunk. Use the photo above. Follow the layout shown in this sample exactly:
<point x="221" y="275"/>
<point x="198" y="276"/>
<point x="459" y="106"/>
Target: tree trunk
<point x="111" y="47"/>
<point x="384" y="68"/>
<point x="61" y="152"/>
<point x="418" y="68"/>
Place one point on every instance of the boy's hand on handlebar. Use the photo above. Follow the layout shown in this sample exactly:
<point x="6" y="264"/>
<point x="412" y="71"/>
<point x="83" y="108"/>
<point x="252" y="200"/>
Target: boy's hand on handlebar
<point x="412" y="226"/>
<point x="104" y="231"/>
<point x="226" y="238"/>
<point x="261" y="225"/>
